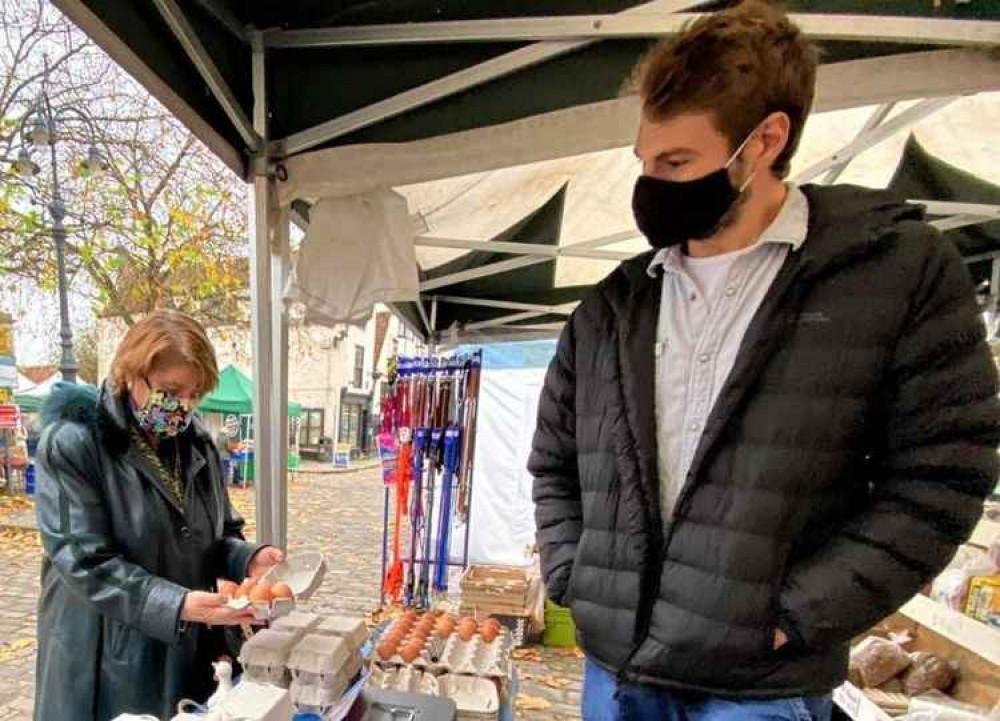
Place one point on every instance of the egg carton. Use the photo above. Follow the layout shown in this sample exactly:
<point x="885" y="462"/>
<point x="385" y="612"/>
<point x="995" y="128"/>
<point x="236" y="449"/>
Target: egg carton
<point x="263" y="610"/>
<point x="261" y="702"/>
<point x="303" y="572"/>
<point x="352" y="630"/>
<point x="406" y="679"/>
<point x="319" y="659"/>
<point x="298" y="623"/>
<point x="473" y="657"/>
<point x="265" y="657"/>
<point x="477" y="698"/>
<point x="313" y="699"/>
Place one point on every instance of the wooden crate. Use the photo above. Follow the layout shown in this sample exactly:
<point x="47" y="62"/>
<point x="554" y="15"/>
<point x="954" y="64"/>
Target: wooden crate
<point x="502" y="590"/>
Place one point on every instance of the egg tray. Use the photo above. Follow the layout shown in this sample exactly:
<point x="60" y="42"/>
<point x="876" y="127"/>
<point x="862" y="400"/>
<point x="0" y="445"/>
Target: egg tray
<point x="406" y="679"/>
<point x="264" y="611"/>
<point x="474" y="657"/>
<point x="477" y="699"/>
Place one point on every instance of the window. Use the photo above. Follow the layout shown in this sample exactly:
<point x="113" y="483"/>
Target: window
<point x="359" y="366"/>
<point x="312" y="426"/>
<point x="350" y="421"/>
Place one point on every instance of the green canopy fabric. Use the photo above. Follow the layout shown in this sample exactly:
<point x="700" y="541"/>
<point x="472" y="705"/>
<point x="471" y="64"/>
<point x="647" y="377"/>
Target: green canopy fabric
<point x="234" y="394"/>
<point x="29" y="403"/>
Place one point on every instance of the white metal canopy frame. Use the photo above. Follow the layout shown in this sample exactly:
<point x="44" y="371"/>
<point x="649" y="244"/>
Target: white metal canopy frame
<point x="952" y="59"/>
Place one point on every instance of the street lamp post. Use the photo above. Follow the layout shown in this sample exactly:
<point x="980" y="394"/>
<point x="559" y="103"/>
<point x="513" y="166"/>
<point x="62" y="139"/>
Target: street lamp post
<point x="40" y="127"/>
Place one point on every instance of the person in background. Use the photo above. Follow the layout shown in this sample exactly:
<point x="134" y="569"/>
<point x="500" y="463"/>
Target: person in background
<point x="225" y="456"/>
<point x="767" y="433"/>
<point x="137" y="527"/>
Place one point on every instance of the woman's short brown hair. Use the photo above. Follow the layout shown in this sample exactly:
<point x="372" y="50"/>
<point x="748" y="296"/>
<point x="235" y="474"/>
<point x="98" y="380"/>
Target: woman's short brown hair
<point x="165" y="337"/>
<point x="740" y="64"/>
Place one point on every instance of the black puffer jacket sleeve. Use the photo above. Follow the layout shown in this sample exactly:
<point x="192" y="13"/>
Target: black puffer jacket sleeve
<point x="553" y="464"/>
<point x="939" y="461"/>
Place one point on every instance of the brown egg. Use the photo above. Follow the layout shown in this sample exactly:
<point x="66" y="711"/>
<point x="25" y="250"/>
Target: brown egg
<point x="489" y="634"/>
<point x="244" y="590"/>
<point x="468" y="622"/>
<point x="228" y="589"/>
<point x="492" y="623"/>
<point x="426" y="625"/>
<point x="410" y="616"/>
<point x="411" y="651"/>
<point x="466" y="633"/>
<point x="282" y="590"/>
<point x="261" y="593"/>
<point x="386" y="650"/>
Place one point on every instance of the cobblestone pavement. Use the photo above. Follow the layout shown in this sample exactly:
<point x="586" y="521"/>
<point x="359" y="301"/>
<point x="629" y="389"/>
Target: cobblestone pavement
<point x="339" y="513"/>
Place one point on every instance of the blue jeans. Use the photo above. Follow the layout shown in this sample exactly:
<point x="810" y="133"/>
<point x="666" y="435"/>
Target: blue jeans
<point x="605" y="700"/>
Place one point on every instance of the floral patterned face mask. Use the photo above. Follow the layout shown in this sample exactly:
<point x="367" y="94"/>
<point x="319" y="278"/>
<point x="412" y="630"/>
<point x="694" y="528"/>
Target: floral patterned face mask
<point x="164" y="415"/>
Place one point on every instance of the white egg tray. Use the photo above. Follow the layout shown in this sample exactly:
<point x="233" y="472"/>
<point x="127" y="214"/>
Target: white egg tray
<point x="297" y="623"/>
<point x="352" y="630"/>
<point x="311" y="693"/>
<point x="477" y="698"/>
<point x="405" y="679"/>
<point x="265" y="657"/>
<point x="474" y="657"/>
<point x="303" y="572"/>
<point x="264" y="611"/>
<point x="319" y="660"/>
<point x="249" y="700"/>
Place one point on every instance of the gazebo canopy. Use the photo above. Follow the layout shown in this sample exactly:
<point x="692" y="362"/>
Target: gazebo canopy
<point x="234" y="394"/>
<point x="312" y="99"/>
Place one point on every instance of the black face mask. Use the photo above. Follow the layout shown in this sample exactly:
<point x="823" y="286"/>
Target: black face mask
<point x="669" y="212"/>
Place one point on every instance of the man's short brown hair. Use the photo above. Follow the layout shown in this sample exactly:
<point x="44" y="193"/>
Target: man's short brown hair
<point x="741" y="64"/>
<point x="165" y="337"/>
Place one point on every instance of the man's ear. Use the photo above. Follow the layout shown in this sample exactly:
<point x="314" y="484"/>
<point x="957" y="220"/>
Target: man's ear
<point x="772" y="135"/>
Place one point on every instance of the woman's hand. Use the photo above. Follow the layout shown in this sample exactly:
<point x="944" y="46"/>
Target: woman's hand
<point x="264" y="560"/>
<point x="211" y="610"/>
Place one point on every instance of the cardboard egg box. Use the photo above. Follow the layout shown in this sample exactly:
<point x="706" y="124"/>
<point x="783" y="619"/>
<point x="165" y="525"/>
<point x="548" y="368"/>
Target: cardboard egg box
<point x="297" y="623"/>
<point x="352" y="630"/>
<point x="303" y="572"/>
<point x="477" y="698"/>
<point x="324" y="661"/>
<point x="265" y="657"/>
<point x="474" y="657"/>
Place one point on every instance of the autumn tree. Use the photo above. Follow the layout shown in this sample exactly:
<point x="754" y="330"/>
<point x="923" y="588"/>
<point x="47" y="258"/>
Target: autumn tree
<point x="164" y="227"/>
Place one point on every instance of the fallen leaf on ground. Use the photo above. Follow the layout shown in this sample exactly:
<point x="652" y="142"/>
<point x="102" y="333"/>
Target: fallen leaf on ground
<point x="526" y="654"/>
<point x="532" y="703"/>
<point x="16" y="648"/>
<point x="555" y="682"/>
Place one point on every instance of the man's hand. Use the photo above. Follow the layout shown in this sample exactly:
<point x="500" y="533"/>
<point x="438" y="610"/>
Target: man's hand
<point x="780" y="639"/>
<point x="211" y="610"/>
<point x="264" y="560"/>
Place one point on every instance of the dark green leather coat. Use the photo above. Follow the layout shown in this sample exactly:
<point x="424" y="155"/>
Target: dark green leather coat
<point x="120" y="556"/>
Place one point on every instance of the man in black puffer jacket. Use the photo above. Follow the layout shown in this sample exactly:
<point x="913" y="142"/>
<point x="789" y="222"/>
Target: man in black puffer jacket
<point x="768" y="433"/>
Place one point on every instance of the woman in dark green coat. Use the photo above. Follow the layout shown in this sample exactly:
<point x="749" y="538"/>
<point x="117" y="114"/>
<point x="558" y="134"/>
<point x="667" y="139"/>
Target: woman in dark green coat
<point x="137" y="527"/>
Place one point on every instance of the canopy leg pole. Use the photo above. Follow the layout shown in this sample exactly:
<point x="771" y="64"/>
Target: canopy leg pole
<point x="262" y="319"/>
<point x="279" y="385"/>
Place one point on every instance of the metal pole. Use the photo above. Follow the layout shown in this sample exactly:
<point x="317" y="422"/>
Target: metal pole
<point x="67" y="364"/>
<point x="262" y="320"/>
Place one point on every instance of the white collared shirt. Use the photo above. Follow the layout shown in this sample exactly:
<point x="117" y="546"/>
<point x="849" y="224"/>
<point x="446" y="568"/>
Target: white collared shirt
<point x="706" y="307"/>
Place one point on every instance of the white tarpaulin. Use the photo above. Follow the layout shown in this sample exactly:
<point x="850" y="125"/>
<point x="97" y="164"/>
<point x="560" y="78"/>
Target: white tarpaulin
<point x="358" y="251"/>
<point x="503" y="515"/>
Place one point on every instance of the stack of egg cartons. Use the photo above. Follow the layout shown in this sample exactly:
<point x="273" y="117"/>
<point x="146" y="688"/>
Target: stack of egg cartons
<point x="325" y="662"/>
<point x="297" y="623"/>
<point x="265" y="657"/>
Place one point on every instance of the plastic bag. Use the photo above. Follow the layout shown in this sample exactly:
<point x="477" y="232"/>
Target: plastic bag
<point x="938" y="707"/>
<point x="878" y="661"/>
<point x="927" y="673"/>
<point x="952" y="586"/>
